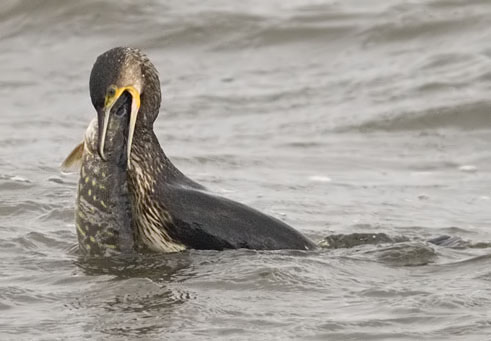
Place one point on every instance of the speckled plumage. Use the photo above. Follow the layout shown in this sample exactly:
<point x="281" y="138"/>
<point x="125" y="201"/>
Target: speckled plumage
<point x="171" y="212"/>
<point x="103" y="211"/>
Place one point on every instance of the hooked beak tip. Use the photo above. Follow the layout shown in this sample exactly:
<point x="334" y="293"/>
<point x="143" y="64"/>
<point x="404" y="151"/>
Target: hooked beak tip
<point x="101" y="154"/>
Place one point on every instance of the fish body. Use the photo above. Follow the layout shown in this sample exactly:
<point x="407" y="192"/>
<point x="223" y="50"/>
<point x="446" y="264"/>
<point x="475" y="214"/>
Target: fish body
<point x="103" y="209"/>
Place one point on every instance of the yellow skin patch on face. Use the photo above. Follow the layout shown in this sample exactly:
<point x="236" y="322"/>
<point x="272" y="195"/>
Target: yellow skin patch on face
<point x="113" y="93"/>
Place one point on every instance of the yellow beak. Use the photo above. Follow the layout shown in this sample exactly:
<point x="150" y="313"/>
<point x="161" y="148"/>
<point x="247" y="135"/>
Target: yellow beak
<point x="135" y="107"/>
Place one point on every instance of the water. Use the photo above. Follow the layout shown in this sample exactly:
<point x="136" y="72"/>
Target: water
<point x="335" y="116"/>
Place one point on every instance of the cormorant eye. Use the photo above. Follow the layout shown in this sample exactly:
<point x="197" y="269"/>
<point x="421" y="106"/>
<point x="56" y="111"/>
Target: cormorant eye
<point x="111" y="92"/>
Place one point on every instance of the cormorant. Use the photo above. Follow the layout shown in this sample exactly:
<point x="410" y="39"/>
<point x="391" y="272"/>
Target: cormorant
<point x="171" y="212"/>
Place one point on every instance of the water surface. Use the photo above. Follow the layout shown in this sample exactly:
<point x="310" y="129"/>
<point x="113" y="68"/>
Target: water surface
<point x="337" y="117"/>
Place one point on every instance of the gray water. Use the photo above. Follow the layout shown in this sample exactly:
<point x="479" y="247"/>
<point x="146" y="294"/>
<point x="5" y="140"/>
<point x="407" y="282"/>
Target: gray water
<point x="338" y="117"/>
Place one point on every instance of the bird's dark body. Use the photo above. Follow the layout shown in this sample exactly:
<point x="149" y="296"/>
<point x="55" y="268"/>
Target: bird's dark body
<point x="194" y="217"/>
<point x="202" y="220"/>
<point x="171" y="212"/>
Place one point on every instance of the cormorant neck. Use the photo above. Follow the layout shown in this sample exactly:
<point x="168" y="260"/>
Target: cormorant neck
<point x="143" y="128"/>
<point x="146" y="142"/>
<point x="148" y="155"/>
<point x="146" y="149"/>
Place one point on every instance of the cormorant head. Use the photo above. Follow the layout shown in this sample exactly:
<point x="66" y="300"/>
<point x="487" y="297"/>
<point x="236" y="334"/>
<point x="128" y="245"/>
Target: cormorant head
<point x="116" y="141"/>
<point x="118" y="71"/>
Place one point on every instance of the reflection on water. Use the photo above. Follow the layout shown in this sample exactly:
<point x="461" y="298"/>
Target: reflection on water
<point x="150" y="266"/>
<point x="347" y="120"/>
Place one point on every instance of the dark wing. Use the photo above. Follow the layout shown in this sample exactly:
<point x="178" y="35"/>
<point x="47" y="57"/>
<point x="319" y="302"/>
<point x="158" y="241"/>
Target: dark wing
<point x="206" y="221"/>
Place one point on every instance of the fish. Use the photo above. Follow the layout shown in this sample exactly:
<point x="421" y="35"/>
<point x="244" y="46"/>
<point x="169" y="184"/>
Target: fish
<point x="103" y="210"/>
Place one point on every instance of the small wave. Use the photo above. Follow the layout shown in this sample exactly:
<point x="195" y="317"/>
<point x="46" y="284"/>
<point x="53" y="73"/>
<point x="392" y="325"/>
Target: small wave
<point x="218" y="30"/>
<point x="152" y="266"/>
<point x="58" y="214"/>
<point x="14" y="182"/>
<point x="402" y="22"/>
<point x="337" y="241"/>
<point x="31" y="17"/>
<point x="469" y="116"/>
<point x="39" y="243"/>
<point x="22" y="208"/>
<point x="288" y="33"/>
<point x="417" y="29"/>
<point x="479" y="259"/>
<point x="404" y="254"/>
